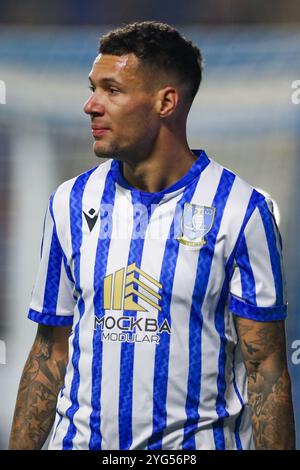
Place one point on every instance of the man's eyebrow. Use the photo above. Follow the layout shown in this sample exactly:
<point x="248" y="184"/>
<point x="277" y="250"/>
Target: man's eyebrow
<point x="105" y="81"/>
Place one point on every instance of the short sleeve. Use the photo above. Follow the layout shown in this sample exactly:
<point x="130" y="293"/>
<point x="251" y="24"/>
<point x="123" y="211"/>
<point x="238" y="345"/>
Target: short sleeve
<point x="257" y="285"/>
<point x="52" y="299"/>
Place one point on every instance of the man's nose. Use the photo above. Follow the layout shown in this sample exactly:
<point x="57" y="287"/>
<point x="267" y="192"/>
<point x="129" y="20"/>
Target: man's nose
<point x="93" y="105"/>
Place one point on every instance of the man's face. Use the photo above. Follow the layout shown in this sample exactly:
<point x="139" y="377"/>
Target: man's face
<point x="122" y="110"/>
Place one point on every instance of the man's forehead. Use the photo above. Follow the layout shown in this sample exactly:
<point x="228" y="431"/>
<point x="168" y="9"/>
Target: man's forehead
<point x="115" y="64"/>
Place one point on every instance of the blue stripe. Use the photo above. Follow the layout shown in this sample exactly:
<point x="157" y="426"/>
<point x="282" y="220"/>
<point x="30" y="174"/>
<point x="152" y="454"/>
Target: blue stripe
<point x="106" y="225"/>
<point x="53" y="270"/>
<point x="267" y="219"/>
<point x="161" y="367"/>
<point x="50" y="319"/>
<point x="218" y="432"/>
<point x="196" y="319"/>
<point x="248" y="292"/>
<point x="68" y="270"/>
<point x="65" y="261"/>
<point x="220" y="327"/>
<point x="221" y="380"/>
<point x="76" y="237"/>
<point x="140" y="224"/>
<point x="245" y="310"/>
<point x="247" y="277"/>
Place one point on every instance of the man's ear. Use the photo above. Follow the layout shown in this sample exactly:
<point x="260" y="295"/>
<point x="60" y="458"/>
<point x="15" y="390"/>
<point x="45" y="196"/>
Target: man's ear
<point x="167" y="100"/>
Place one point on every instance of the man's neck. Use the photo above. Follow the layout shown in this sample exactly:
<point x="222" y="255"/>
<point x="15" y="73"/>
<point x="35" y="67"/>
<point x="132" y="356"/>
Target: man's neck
<point x="159" y="171"/>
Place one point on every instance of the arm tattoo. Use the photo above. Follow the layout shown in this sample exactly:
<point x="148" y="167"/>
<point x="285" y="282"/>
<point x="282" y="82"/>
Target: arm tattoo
<point x="42" y="378"/>
<point x="269" y="388"/>
<point x="272" y="414"/>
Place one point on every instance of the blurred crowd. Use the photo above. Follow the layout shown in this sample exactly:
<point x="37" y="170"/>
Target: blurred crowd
<point x="175" y="11"/>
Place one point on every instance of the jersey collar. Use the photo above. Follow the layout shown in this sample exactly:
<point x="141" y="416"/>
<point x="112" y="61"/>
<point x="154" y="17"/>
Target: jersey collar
<point x="194" y="171"/>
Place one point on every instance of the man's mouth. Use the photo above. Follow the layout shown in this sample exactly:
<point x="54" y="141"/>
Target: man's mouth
<point x="97" y="131"/>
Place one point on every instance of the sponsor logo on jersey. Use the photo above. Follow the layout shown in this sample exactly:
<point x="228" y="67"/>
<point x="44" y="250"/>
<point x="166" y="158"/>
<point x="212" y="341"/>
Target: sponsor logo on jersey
<point x="130" y="329"/>
<point x="120" y="289"/>
<point x="123" y="291"/>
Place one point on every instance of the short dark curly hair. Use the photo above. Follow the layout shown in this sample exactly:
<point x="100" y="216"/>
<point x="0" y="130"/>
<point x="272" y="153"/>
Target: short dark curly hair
<point x="159" y="46"/>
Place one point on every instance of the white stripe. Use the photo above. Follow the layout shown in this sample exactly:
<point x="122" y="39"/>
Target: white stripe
<point x="246" y="434"/>
<point x="232" y="220"/>
<point x="64" y="402"/>
<point x="205" y="439"/>
<point x="56" y="421"/>
<point x="233" y="403"/>
<point x="144" y="357"/>
<point x="65" y="300"/>
<point x="185" y="274"/>
<point x="279" y="249"/>
<point x="245" y="430"/>
<point x="236" y="283"/>
<point x="122" y="224"/>
<point x="91" y="199"/>
<point x="61" y="212"/>
<point x="260" y="261"/>
<point x="61" y="199"/>
<point x="38" y="292"/>
<point x="233" y="215"/>
<point x="240" y="374"/>
<point x="229" y="436"/>
<point x="231" y="224"/>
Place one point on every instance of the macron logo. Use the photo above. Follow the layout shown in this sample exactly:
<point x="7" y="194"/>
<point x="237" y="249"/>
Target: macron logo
<point x="91" y="218"/>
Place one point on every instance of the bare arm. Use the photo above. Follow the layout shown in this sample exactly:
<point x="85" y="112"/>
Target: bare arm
<point x="269" y="387"/>
<point x="42" y="378"/>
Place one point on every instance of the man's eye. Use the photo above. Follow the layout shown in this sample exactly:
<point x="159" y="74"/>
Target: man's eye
<point x="92" y="88"/>
<point x="113" y="90"/>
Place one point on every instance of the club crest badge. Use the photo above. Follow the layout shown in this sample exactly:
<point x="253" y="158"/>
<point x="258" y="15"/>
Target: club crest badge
<point x="196" y="222"/>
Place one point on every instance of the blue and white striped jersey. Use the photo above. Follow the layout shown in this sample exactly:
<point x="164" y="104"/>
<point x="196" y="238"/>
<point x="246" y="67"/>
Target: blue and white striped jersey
<point x="150" y="283"/>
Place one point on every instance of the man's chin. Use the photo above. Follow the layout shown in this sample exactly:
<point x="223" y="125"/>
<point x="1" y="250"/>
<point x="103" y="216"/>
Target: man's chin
<point x="103" y="152"/>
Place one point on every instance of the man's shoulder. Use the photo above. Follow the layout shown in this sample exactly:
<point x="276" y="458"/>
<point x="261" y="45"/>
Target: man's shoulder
<point x="78" y="182"/>
<point x="239" y="186"/>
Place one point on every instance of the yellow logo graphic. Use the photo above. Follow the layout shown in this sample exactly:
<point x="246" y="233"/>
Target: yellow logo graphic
<point x="120" y="297"/>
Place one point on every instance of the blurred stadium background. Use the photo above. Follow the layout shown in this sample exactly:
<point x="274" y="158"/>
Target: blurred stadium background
<point x="243" y="117"/>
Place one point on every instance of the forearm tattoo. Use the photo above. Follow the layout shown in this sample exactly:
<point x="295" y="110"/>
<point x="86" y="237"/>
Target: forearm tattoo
<point x="269" y="387"/>
<point x="42" y="378"/>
